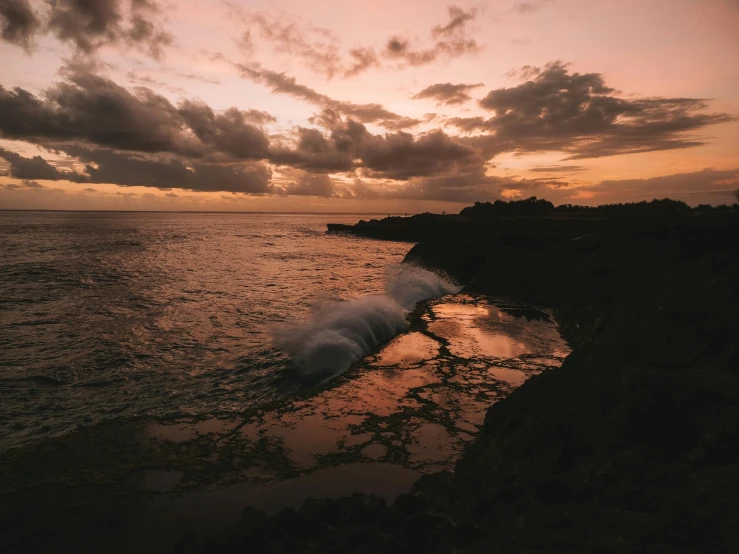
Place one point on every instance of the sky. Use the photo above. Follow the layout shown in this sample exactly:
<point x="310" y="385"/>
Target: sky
<point x="378" y="106"/>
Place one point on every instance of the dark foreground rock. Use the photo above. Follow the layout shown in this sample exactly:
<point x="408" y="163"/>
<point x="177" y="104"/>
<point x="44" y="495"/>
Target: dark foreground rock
<point x="631" y="446"/>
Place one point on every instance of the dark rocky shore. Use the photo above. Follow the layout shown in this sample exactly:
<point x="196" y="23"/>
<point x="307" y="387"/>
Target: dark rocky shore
<point x="632" y="445"/>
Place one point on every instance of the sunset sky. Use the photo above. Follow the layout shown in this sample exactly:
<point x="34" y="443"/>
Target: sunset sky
<point x="379" y="106"/>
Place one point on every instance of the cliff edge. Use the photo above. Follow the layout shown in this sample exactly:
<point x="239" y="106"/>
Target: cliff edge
<point x="631" y="446"/>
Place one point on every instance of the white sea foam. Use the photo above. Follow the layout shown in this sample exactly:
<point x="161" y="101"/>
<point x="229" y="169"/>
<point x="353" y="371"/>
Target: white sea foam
<point x="340" y="333"/>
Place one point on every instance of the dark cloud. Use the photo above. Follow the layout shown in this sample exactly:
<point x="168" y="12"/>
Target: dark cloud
<point x="169" y="171"/>
<point x="107" y="166"/>
<point x="450" y="40"/>
<point x="313" y="152"/>
<point x="447" y="93"/>
<point x="231" y="131"/>
<point x="467" y="124"/>
<point x="18" y="22"/>
<point x="366" y="113"/>
<point x="93" y="109"/>
<point x="146" y="34"/>
<point x="578" y="114"/>
<point x="401" y="155"/>
<point x="136" y="138"/>
<point x="142" y="139"/>
<point x="87" y="24"/>
<point x="397" y="156"/>
<point x="36" y="168"/>
<point x="90" y="24"/>
<point x="312" y="185"/>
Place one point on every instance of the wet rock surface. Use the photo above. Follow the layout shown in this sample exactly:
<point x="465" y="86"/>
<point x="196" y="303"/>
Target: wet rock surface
<point x="629" y="446"/>
<point x="409" y="410"/>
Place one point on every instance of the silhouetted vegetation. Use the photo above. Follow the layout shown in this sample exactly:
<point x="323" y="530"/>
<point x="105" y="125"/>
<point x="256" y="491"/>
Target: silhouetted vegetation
<point x="529" y="207"/>
<point x="655" y="207"/>
<point x="534" y="207"/>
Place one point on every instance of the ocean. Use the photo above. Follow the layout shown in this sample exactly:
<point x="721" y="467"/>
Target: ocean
<point x="123" y="314"/>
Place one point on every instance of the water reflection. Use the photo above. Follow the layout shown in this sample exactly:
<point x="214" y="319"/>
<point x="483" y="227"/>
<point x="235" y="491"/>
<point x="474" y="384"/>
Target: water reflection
<point x="416" y="403"/>
<point x="480" y="329"/>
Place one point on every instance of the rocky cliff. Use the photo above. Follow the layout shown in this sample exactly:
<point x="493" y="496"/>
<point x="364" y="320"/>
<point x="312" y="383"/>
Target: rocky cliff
<point x="631" y="446"/>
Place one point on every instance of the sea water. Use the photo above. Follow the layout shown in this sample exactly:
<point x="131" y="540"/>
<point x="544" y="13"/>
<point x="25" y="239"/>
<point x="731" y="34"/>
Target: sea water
<point x="120" y="314"/>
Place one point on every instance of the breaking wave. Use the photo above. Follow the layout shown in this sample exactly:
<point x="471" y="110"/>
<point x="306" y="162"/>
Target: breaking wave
<point x="340" y="333"/>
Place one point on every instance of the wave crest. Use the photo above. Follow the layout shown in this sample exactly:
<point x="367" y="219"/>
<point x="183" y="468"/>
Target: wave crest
<point x="340" y="333"/>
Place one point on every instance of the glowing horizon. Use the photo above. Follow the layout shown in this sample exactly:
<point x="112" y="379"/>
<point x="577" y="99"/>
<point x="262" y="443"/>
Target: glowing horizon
<point x="328" y="107"/>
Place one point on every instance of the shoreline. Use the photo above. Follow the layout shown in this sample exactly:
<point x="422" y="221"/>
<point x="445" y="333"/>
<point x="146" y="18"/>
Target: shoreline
<point x="386" y="422"/>
<point x="629" y="446"/>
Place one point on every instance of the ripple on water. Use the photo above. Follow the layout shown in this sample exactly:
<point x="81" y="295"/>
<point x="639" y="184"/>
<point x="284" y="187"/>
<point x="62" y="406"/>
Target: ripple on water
<point x="414" y="403"/>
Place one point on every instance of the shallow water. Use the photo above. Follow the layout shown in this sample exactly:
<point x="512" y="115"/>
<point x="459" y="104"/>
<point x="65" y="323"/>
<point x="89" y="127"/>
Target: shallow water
<point x="112" y="315"/>
<point x="408" y="410"/>
<point x="415" y="403"/>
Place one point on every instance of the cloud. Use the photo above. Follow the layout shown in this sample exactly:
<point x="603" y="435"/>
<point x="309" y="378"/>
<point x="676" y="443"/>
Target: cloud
<point x="91" y="24"/>
<point x="366" y="113"/>
<point x="315" y="152"/>
<point x="93" y="109"/>
<point x="524" y="73"/>
<point x="458" y="18"/>
<point x="402" y="156"/>
<point x="707" y="184"/>
<point x="450" y="40"/>
<point x="463" y="185"/>
<point x="312" y="185"/>
<point x="18" y="23"/>
<point x="169" y="171"/>
<point x="362" y="59"/>
<point x="36" y="168"/>
<point x="557" y="169"/>
<point x="32" y="184"/>
<point x="447" y="93"/>
<point x="314" y="46"/>
<point x="581" y="116"/>
<point x="143" y="139"/>
<point x="530" y="7"/>
<point x="232" y="131"/>
<point x="320" y="50"/>
<point x="398" y="156"/>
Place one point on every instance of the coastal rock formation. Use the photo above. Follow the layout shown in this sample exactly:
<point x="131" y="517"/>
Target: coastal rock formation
<point x="632" y="445"/>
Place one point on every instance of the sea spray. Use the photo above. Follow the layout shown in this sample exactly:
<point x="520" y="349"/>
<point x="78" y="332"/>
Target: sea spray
<point x="340" y="333"/>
